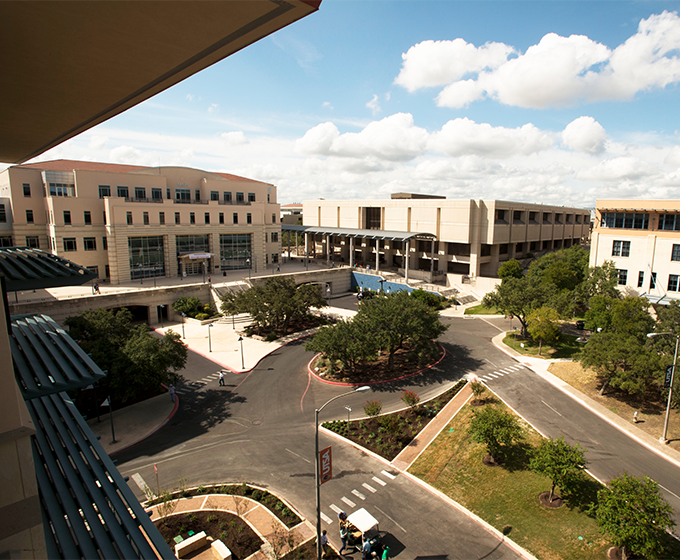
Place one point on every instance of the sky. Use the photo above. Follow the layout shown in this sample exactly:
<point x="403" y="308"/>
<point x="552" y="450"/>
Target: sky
<point x="556" y="102"/>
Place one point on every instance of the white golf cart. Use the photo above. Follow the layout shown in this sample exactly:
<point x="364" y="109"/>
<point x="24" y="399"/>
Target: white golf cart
<point x="364" y="527"/>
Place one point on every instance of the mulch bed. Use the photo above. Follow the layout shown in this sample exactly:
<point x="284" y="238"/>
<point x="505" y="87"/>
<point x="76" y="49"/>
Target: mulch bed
<point x="557" y="502"/>
<point x="230" y="529"/>
<point x="388" y="435"/>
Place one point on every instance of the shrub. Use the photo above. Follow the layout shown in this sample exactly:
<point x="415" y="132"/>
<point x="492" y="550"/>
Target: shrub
<point x="271" y="337"/>
<point x="202" y="316"/>
<point x="410" y="398"/>
<point x="373" y="408"/>
<point x="257" y="495"/>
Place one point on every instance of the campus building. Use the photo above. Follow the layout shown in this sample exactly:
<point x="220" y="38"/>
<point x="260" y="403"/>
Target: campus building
<point x="464" y="239"/>
<point x="642" y="238"/>
<point x="126" y="222"/>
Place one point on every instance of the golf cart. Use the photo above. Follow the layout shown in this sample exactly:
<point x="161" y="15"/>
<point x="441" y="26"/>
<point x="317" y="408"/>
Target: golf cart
<point x="363" y="527"/>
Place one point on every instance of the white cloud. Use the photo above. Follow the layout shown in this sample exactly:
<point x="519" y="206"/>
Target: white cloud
<point x="556" y="72"/>
<point x="373" y="105"/>
<point x="190" y="97"/>
<point x="97" y="142"/>
<point x="213" y="107"/>
<point x="327" y="105"/>
<point x="620" y="169"/>
<point x="465" y="137"/>
<point x="585" y="134"/>
<point x="235" y="138"/>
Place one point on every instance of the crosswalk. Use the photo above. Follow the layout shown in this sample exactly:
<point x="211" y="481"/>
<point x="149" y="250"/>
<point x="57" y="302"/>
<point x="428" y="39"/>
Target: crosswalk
<point x="196" y="385"/>
<point x="501" y="372"/>
<point x="382" y="479"/>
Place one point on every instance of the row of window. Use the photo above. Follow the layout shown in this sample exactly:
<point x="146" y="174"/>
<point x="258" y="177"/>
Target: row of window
<point x="181" y="194"/>
<point x="622" y="249"/>
<point x="520" y="217"/>
<point x="632" y="220"/>
<point x="87" y="217"/>
<point x="673" y="280"/>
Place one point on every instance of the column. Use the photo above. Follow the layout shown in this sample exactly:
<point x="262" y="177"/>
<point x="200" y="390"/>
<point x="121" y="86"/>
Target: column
<point x="351" y="252"/>
<point x="407" y="256"/>
<point x="377" y="255"/>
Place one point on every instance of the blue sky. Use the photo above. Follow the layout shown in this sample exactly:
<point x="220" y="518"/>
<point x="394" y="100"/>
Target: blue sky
<point x="560" y="102"/>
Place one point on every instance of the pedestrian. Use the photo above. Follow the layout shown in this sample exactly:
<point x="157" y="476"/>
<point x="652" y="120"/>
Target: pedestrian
<point x="96" y="289"/>
<point x="386" y="553"/>
<point x="209" y="280"/>
<point x="221" y="379"/>
<point x="343" y="535"/>
<point x="172" y="392"/>
<point x="278" y="268"/>
<point x="366" y="550"/>
<point x="635" y="418"/>
<point x="324" y="543"/>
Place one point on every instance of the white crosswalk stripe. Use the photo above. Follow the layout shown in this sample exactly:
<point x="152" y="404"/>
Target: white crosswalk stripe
<point x="335" y="508"/>
<point x="327" y="519"/>
<point x="369" y="488"/>
<point x="358" y="494"/>
<point x="388" y="475"/>
<point x="379" y="481"/>
<point x="349" y="502"/>
<point x="499" y="374"/>
<point x="492" y="375"/>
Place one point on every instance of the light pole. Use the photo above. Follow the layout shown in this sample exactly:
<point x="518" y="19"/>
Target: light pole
<point x="317" y="471"/>
<point x="349" y="410"/>
<point x="240" y="339"/>
<point x="663" y="438"/>
<point x="184" y="316"/>
<point x="209" y="340"/>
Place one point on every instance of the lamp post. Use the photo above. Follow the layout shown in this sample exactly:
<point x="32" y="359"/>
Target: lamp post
<point x="240" y="339"/>
<point x="184" y="316"/>
<point x="349" y="410"/>
<point x="209" y="340"/>
<point x="317" y="471"/>
<point x="663" y="438"/>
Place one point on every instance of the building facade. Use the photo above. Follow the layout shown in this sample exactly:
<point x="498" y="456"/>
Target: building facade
<point x="642" y="239"/>
<point x="472" y="238"/>
<point x="129" y="222"/>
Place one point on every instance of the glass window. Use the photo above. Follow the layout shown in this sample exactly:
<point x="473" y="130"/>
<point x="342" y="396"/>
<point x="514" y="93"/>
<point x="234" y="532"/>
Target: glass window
<point x="226" y="196"/>
<point x="183" y="195"/>
<point x="147" y="258"/>
<point x="3" y="214"/>
<point x="273" y="218"/>
<point x="214" y="195"/>
<point x="546" y="217"/>
<point x="206" y="217"/>
<point x="104" y="215"/>
<point x="235" y="217"/>
<point x="70" y="244"/>
<point x="275" y="237"/>
<point x="33" y="241"/>
<point x="161" y="218"/>
<point x="145" y="217"/>
<point x="652" y="281"/>
<point x="251" y="197"/>
<point x="623" y="276"/>
<point x="157" y="194"/>
<point x="105" y="244"/>
<point x="123" y="192"/>
<point x="221" y="217"/>
<point x="500" y="216"/>
<point x="672" y="282"/>
<point x="67" y="217"/>
<point x="192" y="217"/>
<point x="625" y="220"/>
<point x="275" y="258"/>
<point x="235" y="251"/>
<point x="621" y="249"/>
<point x="129" y="218"/>
<point x="197" y="192"/>
<point x="29" y="216"/>
<point x="239" y="197"/>
<point x="167" y="193"/>
<point x="90" y="243"/>
<point x="140" y="192"/>
<point x="192" y="244"/>
<point x="675" y="253"/>
<point x="641" y="279"/>
<point x="6" y="241"/>
<point x="177" y="220"/>
<point x="104" y="190"/>
<point x="87" y="217"/>
<point x="517" y="217"/>
<point x="27" y="189"/>
<point x="249" y="218"/>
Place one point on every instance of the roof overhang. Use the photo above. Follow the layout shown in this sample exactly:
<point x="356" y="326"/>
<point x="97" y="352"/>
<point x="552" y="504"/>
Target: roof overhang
<point x="33" y="269"/>
<point x="362" y="233"/>
<point x="69" y="66"/>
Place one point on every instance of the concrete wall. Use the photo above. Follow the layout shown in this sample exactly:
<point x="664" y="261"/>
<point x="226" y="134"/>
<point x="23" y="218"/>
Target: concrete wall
<point x="338" y="279"/>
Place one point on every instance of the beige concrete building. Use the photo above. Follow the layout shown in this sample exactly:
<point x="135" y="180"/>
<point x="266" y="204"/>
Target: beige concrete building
<point x="471" y="238"/>
<point x="128" y="222"/>
<point x="642" y="238"/>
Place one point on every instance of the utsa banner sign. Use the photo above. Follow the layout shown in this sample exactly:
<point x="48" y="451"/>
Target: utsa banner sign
<point x="325" y="465"/>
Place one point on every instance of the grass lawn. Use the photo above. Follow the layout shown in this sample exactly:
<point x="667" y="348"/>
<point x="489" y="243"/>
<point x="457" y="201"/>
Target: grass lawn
<point x="565" y="347"/>
<point x="482" y="310"/>
<point x="508" y="495"/>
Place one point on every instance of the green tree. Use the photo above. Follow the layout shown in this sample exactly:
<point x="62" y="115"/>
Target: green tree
<point x="560" y="462"/>
<point x="599" y="281"/>
<point x="495" y="429"/>
<point x="635" y="515"/>
<point x="136" y="360"/>
<point x="188" y="305"/>
<point x="518" y="297"/>
<point x="543" y="325"/>
<point x="346" y="342"/>
<point x="599" y="314"/>
<point x="511" y="269"/>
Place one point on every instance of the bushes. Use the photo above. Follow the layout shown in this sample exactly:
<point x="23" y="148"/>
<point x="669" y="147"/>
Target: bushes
<point x="192" y="307"/>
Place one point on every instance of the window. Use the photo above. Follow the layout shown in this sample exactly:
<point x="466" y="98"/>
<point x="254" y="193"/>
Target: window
<point x="239" y="197"/>
<point x="33" y="241"/>
<point x="67" y="217"/>
<point x="558" y="219"/>
<point x="167" y="193"/>
<point x="221" y="217"/>
<point x="6" y="241"/>
<point x="672" y="282"/>
<point x="251" y="197"/>
<point x="157" y="194"/>
<point x="275" y="237"/>
<point x="675" y="254"/>
<point x="533" y="217"/>
<point x="123" y="192"/>
<point x="249" y="218"/>
<point x="519" y="248"/>
<point x="503" y="249"/>
<point x="578" y="218"/>
<point x="3" y="214"/>
<point x="626" y="220"/>
<point x="214" y="195"/>
<point x="70" y="244"/>
<point x="641" y="279"/>
<point x="192" y="217"/>
<point x="104" y="215"/>
<point x="546" y="218"/>
<point x="104" y="190"/>
<point x="275" y="258"/>
<point x="517" y="217"/>
<point x="235" y="217"/>
<point x="500" y="216"/>
<point x="62" y="189"/>
<point x="206" y="217"/>
<point x="145" y="217"/>
<point x="147" y="258"/>
<point x="29" y="216"/>
<point x="623" y="276"/>
<point x="87" y="217"/>
<point x="652" y="281"/>
<point x="197" y="193"/>
<point x="226" y="196"/>
<point x="27" y="190"/>
<point x="177" y="221"/>
<point x="533" y="246"/>
<point x="621" y="249"/>
<point x="140" y="192"/>
<point x="90" y="243"/>
<point x="105" y="244"/>
<point x="183" y="195"/>
<point x="273" y="218"/>
<point x="107" y="271"/>
<point x="161" y="218"/>
<point x="129" y="218"/>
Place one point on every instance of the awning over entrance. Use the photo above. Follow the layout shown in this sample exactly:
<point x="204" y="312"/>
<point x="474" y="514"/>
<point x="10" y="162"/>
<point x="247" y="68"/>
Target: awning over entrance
<point x="363" y="233"/>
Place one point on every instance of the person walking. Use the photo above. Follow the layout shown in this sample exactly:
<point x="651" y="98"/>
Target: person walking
<point x="324" y="543"/>
<point x="221" y="379"/>
<point x="343" y="535"/>
<point x="172" y="392"/>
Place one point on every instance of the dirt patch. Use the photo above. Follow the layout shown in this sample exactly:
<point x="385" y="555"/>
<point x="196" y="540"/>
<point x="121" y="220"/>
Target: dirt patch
<point x="544" y="499"/>
<point x="230" y="529"/>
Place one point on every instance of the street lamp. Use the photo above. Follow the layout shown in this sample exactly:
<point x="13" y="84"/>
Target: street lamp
<point x="184" y="316"/>
<point x="240" y="339"/>
<point x="362" y="389"/>
<point x="663" y="438"/>
<point x="210" y="325"/>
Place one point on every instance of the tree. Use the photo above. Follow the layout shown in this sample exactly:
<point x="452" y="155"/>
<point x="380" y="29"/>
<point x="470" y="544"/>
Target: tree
<point x="345" y="342"/>
<point x="478" y="390"/>
<point x="635" y="515"/>
<point x="136" y="360"/>
<point x="599" y="314"/>
<point x="495" y="429"/>
<point x="517" y="297"/>
<point x="543" y="325"/>
<point x="560" y="462"/>
<point x="600" y="281"/>
<point x="188" y="305"/>
<point x="511" y="269"/>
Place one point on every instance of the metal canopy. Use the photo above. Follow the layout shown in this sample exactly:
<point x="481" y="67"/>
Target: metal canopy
<point x="363" y="233"/>
<point x="47" y="360"/>
<point x="88" y="509"/>
<point x="32" y="269"/>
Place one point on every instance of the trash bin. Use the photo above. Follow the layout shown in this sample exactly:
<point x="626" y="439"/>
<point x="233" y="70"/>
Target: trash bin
<point x="580" y="325"/>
